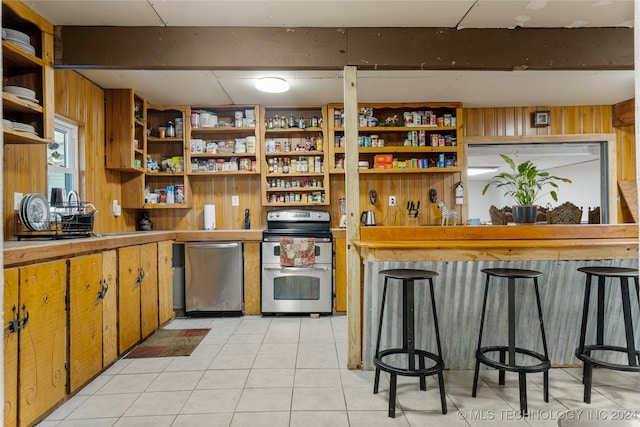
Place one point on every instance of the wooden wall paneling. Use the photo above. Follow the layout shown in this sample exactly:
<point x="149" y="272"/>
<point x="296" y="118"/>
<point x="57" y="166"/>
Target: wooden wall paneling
<point x="516" y="121"/>
<point x="20" y="175"/>
<point x="626" y="164"/>
<point x="337" y="192"/>
<point x="81" y="101"/>
<point x="624" y="113"/>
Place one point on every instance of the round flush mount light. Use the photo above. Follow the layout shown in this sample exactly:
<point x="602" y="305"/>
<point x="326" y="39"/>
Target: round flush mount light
<point x="272" y="85"/>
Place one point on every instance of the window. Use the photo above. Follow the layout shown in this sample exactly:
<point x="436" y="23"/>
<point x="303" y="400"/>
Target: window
<point x="62" y="157"/>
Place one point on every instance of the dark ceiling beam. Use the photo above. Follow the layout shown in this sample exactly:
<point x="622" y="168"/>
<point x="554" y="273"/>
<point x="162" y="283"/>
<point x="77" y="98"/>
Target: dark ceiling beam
<point x="245" y="48"/>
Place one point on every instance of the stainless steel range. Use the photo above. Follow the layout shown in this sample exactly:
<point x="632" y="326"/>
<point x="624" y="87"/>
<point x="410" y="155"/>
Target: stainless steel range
<point x="297" y="262"/>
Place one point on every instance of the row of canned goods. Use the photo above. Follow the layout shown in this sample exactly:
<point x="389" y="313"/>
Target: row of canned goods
<point x="220" y="165"/>
<point x="315" y="197"/>
<point x="302" y="164"/>
<point x="294" y="183"/>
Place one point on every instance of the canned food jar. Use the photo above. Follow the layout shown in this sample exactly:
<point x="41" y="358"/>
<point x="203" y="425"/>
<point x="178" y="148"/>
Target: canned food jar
<point x="205" y="119"/>
<point x="195" y="119"/>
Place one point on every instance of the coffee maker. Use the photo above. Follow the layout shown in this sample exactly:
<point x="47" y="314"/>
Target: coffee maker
<point x="343" y="213"/>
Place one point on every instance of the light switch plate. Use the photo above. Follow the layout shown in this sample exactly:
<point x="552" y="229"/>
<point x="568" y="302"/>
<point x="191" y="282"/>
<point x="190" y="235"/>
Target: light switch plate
<point x="17" y="198"/>
<point x="235" y="201"/>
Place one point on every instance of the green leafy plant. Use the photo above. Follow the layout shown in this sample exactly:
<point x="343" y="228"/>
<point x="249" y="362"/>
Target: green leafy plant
<point x="526" y="184"/>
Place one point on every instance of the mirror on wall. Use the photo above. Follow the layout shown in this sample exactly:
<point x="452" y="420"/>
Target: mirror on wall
<point x="585" y="164"/>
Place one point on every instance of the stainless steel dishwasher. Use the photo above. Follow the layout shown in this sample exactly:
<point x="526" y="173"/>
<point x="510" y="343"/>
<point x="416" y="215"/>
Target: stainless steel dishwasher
<point x="213" y="279"/>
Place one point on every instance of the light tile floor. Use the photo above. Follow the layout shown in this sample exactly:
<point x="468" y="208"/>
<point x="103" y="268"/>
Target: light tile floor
<point x="292" y="371"/>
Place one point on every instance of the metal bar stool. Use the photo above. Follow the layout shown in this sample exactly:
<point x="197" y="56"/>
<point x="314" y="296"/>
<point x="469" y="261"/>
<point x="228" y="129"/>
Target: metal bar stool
<point x="583" y="352"/>
<point x="408" y="276"/>
<point x="511" y="274"/>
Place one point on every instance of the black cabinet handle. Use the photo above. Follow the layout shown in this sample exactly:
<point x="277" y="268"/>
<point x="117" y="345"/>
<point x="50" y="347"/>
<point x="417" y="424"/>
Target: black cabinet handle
<point x="23" y="321"/>
<point x="13" y="324"/>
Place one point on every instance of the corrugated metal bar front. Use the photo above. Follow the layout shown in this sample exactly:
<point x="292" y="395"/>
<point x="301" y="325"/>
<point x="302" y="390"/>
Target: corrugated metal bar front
<point x="459" y="291"/>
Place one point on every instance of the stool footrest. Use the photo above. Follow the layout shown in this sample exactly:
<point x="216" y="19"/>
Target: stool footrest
<point x="586" y="357"/>
<point x="544" y="365"/>
<point x="427" y="371"/>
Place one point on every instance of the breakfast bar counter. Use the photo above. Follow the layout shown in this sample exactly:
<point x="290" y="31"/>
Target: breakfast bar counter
<point x="459" y="253"/>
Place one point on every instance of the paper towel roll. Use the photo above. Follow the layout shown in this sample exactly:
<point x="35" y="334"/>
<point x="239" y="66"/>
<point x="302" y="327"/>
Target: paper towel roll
<point x="209" y="217"/>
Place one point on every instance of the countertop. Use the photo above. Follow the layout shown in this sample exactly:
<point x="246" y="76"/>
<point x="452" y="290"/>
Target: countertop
<point x="26" y="251"/>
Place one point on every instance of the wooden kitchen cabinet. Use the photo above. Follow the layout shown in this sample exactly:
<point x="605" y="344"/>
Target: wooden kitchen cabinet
<point x="27" y="67"/>
<point x="293" y="162"/>
<point x="42" y="341"/>
<point x="212" y="146"/>
<point x="109" y="308"/>
<point x="149" y="289"/>
<point x="86" y="293"/>
<point x="137" y="294"/>
<point x="399" y="133"/>
<point x="130" y="276"/>
<point x="169" y="153"/>
<point x="340" y="263"/>
<point x="165" y="282"/>
<point x="11" y="311"/>
<point x="126" y="130"/>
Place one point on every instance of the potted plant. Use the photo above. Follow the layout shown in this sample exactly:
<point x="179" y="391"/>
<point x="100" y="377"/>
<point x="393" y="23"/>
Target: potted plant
<point x="525" y="185"/>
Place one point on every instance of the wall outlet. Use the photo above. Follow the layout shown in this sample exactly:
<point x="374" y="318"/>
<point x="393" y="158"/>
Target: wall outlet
<point x="17" y="198"/>
<point x="116" y="208"/>
<point x="392" y="201"/>
<point x="235" y="201"/>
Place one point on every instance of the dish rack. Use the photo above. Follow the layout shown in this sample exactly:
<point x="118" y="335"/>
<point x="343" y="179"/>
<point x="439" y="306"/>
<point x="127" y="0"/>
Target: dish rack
<point x="67" y="220"/>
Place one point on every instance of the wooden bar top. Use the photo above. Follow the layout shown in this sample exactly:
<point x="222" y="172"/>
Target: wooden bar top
<point x="499" y="242"/>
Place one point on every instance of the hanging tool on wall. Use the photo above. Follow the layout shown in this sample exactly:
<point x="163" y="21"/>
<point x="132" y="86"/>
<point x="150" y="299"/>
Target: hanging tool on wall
<point x="246" y="219"/>
<point x="413" y="209"/>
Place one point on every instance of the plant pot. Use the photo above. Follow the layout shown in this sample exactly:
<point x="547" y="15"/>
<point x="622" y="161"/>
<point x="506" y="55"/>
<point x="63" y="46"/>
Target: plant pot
<point x="524" y="214"/>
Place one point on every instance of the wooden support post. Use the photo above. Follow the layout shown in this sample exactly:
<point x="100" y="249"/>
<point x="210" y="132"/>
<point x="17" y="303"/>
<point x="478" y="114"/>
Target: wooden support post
<point x="352" y="185"/>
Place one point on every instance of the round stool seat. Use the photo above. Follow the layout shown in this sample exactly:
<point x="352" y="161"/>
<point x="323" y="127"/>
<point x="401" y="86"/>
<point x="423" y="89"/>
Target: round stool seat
<point x="610" y="271"/>
<point x="408" y="274"/>
<point x="516" y="273"/>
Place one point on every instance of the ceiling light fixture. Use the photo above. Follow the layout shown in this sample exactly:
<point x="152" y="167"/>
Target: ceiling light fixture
<point x="272" y="85"/>
<point x="472" y="171"/>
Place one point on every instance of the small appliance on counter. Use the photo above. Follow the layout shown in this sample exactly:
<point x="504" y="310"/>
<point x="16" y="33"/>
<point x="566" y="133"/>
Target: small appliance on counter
<point x="343" y="213"/>
<point x="368" y="218"/>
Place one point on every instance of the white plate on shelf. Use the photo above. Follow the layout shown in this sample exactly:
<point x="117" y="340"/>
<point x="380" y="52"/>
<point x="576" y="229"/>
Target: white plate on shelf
<point x="25" y="98"/>
<point x="37" y="212"/>
<point x="23" y="127"/>
<point x="7" y="123"/>
<point x="9" y="34"/>
<point x="20" y="91"/>
<point x="24" y="46"/>
<point x="23" y="211"/>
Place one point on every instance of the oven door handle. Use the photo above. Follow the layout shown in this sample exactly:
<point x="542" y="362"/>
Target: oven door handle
<point x="296" y="268"/>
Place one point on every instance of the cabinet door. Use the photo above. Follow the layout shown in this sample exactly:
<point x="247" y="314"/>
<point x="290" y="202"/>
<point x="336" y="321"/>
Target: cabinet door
<point x="109" y="309"/>
<point x="165" y="282"/>
<point x="85" y="319"/>
<point x="251" y="278"/>
<point x="42" y="343"/>
<point x="10" y="348"/>
<point x="341" y="274"/>
<point x="149" y="289"/>
<point x="129" y="278"/>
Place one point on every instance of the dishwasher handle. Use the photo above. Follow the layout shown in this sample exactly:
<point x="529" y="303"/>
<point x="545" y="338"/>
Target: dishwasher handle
<point x="214" y="245"/>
